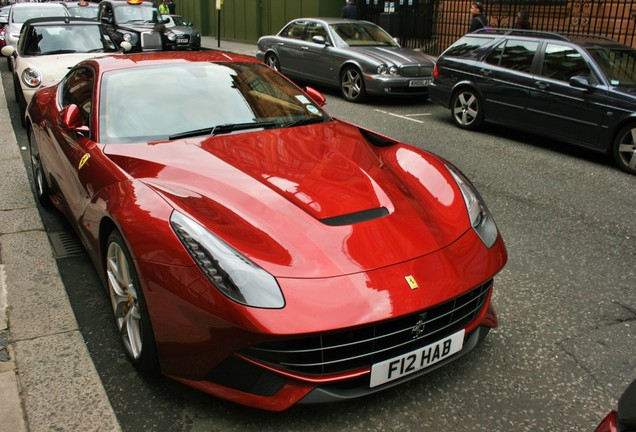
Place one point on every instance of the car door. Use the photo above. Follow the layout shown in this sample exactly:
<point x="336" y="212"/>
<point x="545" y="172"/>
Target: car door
<point x="560" y="110"/>
<point x="315" y="63"/>
<point x="78" y="163"/>
<point x="505" y="79"/>
<point x="290" y="48"/>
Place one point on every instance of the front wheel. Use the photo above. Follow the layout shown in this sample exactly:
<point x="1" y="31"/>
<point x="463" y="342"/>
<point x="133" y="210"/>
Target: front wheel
<point x="42" y="192"/>
<point x="352" y="85"/>
<point x="272" y="61"/>
<point x="467" y="110"/>
<point x="624" y="149"/>
<point x="129" y="305"/>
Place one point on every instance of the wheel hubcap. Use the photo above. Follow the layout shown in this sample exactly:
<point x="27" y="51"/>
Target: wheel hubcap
<point x="351" y="84"/>
<point x="627" y="149"/>
<point x="124" y="300"/>
<point x="466" y="108"/>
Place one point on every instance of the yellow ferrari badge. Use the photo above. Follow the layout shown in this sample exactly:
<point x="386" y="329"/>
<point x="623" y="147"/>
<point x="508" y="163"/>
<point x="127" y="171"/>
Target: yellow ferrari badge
<point x="411" y="281"/>
<point x="83" y="161"/>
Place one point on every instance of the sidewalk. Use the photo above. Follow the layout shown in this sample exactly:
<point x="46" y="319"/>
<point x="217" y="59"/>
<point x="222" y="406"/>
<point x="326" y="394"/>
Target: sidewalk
<point x="47" y="377"/>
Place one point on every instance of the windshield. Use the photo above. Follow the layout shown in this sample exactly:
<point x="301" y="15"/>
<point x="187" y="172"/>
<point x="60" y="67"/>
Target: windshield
<point x="83" y="11"/>
<point x="363" y="34"/>
<point x="20" y="15"/>
<point x="43" y="40"/>
<point x="618" y="64"/>
<point x="196" y="98"/>
<point x="137" y="13"/>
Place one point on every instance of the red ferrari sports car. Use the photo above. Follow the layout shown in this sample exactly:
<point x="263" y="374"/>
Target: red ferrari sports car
<point x="254" y="247"/>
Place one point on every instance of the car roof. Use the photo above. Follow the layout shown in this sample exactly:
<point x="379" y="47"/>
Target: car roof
<point x="586" y="40"/>
<point x="136" y="60"/>
<point x="34" y="5"/>
<point x="60" y="20"/>
<point x="330" y="20"/>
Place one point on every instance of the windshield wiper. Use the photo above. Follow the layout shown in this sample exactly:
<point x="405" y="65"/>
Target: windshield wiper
<point x="62" y="51"/>
<point x="223" y="129"/>
<point x="303" y="121"/>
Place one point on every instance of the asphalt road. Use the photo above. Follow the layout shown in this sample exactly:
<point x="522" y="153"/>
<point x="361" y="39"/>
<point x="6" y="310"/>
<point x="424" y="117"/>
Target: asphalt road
<point x="566" y="345"/>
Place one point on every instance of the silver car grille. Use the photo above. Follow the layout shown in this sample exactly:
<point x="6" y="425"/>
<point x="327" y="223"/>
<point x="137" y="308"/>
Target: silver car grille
<point x="151" y="41"/>
<point x="416" y="70"/>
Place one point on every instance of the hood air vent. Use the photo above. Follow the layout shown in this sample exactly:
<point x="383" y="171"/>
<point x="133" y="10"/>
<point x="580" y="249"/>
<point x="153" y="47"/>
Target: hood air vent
<point x="353" y="218"/>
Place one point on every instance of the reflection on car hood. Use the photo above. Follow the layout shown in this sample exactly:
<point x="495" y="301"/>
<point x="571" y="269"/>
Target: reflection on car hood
<point x="398" y="56"/>
<point x="268" y="194"/>
<point x="183" y="30"/>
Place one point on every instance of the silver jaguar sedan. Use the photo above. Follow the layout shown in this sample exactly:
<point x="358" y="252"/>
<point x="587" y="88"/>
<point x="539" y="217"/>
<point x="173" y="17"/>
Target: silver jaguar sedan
<point x="358" y="57"/>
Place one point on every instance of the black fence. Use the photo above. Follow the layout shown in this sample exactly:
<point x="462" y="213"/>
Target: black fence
<point x="433" y="25"/>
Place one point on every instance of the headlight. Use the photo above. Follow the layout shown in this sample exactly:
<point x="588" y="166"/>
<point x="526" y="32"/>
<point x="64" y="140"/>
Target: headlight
<point x="127" y="37"/>
<point x="480" y="218"/>
<point x="171" y="36"/>
<point x="31" y="77"/>
<point x="393" y="70"/>
<point x="382" y="69"/>
<point x="233" y="274"/>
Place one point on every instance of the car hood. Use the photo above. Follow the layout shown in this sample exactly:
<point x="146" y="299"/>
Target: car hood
<point x="312" y="201"/>
<point x="398" y="56"/>
<point x="54" y="67"/>
<point x="183" y="30"/>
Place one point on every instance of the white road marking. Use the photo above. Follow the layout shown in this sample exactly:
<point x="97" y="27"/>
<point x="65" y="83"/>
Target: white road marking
<point x="405" y="117"/>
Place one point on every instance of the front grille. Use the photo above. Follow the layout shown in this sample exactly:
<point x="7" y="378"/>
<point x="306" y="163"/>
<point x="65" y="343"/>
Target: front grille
<point x="151" y="40"/>
<point x="359" y="347"/>
<point x="416" y="71"/>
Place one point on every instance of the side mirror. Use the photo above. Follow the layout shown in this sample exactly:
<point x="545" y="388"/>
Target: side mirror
<point x="8" y="50"/>
<point x="71" y="118"/>
<point x="581" y="82"/>
<point x="319" y="40"/>
<point x="315" y="95"/>
<point x="125" y="46"/>
<point x="106" y="20"/>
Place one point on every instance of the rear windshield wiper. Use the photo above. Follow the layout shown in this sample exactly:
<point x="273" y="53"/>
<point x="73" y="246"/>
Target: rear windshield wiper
<point x="224" y="128"/>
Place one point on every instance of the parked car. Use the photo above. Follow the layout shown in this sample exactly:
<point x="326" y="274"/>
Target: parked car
<point x="4" y="17"/>
<point x="576" y="88"/>
<point x="21" y="12"/>
<point x="623" y="419"/>
<point x="82" y="9"/>
<point x="138" y="22"/>
<point x="188" y="37"/>
<point x="254" y="247"/>
<point x="49" y="47"/>
<point x="358" y="57"/>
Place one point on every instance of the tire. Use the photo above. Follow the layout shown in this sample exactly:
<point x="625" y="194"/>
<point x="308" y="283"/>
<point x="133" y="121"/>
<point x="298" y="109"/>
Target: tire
<point x="19" y="97"/>
<point x="272" y="61"/>
<point x="624" y="148"/>
<point x="42" y="191"/>
<point x="129" y="305"/>
<point x="352" y="84"/>
<point x="467" y="110"/>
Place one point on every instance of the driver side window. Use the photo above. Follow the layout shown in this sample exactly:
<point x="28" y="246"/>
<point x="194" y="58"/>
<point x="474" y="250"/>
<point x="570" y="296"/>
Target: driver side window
<point x="78" y="89"/>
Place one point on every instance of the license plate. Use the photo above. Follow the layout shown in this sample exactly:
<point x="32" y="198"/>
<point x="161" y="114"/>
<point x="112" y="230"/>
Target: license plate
<point x="419" y="83"/>
<point x="182" y="40"/>
<point x="416" y="360"/>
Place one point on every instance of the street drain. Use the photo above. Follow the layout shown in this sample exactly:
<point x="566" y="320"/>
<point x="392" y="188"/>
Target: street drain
<point x="65" y="245"/>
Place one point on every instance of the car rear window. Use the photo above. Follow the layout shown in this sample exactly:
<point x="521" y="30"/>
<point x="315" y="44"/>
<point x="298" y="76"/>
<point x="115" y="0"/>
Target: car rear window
<point x="466" y="45"/>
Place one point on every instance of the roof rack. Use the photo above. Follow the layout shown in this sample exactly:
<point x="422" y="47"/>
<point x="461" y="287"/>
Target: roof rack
<point x="543" y="34"/>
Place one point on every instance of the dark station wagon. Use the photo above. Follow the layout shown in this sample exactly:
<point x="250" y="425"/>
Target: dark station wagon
<point x="579" y="89"/>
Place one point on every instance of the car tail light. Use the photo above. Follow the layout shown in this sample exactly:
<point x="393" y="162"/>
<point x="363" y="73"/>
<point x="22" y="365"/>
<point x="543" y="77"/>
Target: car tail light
<point x="435" y="72"/>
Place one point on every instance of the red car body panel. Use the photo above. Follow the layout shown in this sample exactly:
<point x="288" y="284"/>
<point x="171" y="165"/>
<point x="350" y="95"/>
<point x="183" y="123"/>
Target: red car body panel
<point x="267" y="194"/>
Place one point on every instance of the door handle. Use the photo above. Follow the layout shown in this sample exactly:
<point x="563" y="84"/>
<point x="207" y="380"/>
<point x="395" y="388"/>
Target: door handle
<point x="485" y="72"/>
<point x="541" y="85"/>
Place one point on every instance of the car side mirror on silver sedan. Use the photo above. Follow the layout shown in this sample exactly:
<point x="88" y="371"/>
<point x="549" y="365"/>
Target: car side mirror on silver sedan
<point x="319" y="40"/>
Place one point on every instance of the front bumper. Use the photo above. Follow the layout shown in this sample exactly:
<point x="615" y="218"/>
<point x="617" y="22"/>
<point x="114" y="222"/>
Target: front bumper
<point x="392" y="85"/>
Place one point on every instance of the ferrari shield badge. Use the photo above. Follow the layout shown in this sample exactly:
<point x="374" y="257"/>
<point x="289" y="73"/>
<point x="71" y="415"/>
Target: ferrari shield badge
<point x="83" y="161"/>
<point x="412" y="282"/>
